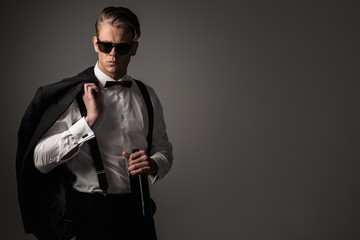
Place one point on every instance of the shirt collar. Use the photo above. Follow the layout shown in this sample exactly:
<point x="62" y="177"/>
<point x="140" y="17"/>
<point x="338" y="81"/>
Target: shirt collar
<point x="103" y="78"/>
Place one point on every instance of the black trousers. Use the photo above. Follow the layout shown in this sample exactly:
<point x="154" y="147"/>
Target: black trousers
<point x="112" y="216"/>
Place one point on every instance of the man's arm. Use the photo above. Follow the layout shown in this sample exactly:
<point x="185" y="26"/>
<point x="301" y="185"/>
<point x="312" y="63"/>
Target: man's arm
<point x="161" y="150"/>
<point x="63" y="140"/>
<point x="158" y="162"/>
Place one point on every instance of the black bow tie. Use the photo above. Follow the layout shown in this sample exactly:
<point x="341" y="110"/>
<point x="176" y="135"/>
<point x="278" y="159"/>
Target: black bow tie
<point x="121" y="83"/>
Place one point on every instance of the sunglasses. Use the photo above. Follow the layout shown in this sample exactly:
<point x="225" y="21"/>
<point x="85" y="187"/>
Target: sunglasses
<point x="120" y="48"/>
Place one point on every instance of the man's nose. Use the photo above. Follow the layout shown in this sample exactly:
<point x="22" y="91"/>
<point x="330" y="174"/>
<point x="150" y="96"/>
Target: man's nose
<point x="112" y="52"/>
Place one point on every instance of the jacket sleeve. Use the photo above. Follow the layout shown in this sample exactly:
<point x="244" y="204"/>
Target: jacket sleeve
<point x="27" y="127"/>
<point x="26" y="173"/>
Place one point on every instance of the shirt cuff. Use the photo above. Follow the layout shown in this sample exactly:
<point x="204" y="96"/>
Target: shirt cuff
<point x="161" y="171"/>
<point x="81" y="131"/>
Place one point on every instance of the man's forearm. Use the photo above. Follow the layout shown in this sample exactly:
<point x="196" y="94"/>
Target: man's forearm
<point x="56" y="149"/>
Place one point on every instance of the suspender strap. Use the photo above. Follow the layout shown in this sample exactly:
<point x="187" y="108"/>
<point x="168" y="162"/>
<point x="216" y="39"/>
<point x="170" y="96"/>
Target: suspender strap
<point x="139" y="184"/>
<point x="150" y="110"/>
<point x="95" y="152"/>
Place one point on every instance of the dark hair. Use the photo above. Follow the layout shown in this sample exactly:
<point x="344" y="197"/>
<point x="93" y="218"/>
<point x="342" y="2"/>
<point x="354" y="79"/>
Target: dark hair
<point x="119" y="17"/>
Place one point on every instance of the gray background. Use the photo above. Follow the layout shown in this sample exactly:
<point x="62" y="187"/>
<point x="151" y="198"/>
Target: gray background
<point x="261" y="99"/>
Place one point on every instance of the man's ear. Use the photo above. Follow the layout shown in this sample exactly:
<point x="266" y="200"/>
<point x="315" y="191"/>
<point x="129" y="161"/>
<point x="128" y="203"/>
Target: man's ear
<point x="134" y="48"/>
<point x="94" y="40"/>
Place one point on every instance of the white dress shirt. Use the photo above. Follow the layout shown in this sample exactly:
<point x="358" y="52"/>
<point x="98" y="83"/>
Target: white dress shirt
<point x="122" y="127"/>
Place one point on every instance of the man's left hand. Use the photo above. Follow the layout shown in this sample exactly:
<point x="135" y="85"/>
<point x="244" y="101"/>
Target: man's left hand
<point x="139" y="163"/>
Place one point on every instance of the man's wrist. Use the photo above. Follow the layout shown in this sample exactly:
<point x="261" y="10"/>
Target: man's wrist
<point x="154" y="166"/>
<point x="90" y="121"/>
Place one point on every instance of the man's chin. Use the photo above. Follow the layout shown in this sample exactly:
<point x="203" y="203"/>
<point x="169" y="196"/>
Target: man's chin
<point x="114" y="72"/>
<point x="112" y="68"/>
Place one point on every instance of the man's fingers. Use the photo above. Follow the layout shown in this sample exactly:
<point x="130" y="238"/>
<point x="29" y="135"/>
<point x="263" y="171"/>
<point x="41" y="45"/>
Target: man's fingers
<point x="91" y="89"/>
<point x="138" y="162"/>
<point x="137" y="155"/>
<point x="136" y="168"/>
<point x="140" y="170"/>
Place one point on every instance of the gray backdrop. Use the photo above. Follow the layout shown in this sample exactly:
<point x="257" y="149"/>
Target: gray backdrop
<point x="261" y="100"/>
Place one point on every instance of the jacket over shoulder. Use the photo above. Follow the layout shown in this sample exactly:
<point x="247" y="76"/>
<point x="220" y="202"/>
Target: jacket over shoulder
<point x="41" y="196"/>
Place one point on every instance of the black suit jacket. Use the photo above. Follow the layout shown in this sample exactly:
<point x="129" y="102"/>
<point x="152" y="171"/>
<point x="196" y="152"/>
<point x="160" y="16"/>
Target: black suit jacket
<point x="42" y="197"/>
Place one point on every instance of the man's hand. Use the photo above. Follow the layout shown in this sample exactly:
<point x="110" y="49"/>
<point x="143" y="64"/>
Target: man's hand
<point x="139" y="162"/>
<point x="93" y="102"/>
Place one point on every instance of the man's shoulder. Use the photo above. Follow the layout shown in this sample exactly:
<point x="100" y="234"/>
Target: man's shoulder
<point x="148" y="87"/>
<point x="55" y="88"/>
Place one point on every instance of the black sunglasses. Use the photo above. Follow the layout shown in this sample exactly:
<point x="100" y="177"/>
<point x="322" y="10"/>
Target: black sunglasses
<point x="120" y="48"/>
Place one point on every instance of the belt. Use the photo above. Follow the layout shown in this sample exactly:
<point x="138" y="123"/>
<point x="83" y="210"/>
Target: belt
<point x="82" y="196"/>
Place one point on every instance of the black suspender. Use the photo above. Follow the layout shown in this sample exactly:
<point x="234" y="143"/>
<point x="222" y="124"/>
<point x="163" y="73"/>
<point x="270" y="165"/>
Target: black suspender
<point x="139" y="184"/>
<point x="150" y="110"/>
<point x="95" y="152"/>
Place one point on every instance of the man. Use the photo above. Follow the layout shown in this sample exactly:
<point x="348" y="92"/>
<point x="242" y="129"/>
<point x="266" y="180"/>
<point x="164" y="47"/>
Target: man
<point x="63" y="187"/>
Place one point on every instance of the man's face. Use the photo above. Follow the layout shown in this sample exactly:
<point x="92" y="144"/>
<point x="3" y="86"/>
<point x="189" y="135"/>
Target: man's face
<point x="114" y="64"/>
